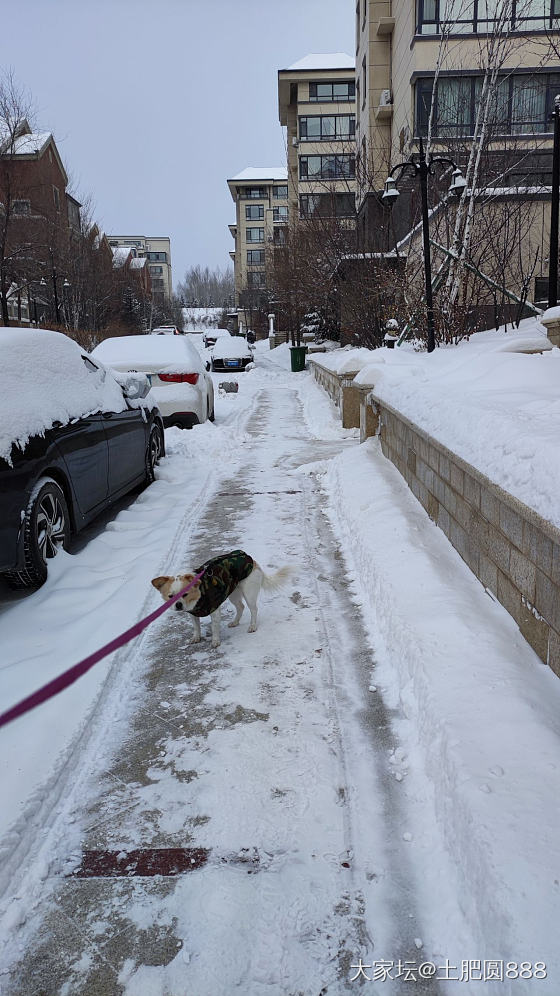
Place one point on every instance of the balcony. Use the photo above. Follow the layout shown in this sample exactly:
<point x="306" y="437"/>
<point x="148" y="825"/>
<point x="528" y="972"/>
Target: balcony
<point x="385" y="26"/>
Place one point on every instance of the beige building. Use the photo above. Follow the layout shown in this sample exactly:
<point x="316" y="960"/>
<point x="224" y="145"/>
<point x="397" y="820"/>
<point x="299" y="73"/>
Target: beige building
<point x="397" y="49"/>
<point x="261" y="213"/>
<point x="157" y="252"/>
<point x="316" y="104"/>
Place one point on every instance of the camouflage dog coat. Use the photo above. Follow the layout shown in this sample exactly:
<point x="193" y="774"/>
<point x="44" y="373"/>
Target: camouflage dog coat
<point x="221" y="576"/>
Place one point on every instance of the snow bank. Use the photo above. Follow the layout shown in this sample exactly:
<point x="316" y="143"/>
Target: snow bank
<point x="496" y="408"/>
<point x="45" y="380"/>
<point x="476" y="711"/>
<point x="346" y="360"/>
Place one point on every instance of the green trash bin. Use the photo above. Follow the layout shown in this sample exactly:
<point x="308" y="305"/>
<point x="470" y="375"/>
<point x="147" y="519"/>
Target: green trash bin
<point x="297" y="357"/>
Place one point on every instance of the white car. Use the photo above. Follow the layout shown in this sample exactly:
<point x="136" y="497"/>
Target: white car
<point x="210" y="337"/>
<point x="180" y="382"/>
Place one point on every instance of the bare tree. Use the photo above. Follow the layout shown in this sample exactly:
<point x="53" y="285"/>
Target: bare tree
<point x="206" y="288"/>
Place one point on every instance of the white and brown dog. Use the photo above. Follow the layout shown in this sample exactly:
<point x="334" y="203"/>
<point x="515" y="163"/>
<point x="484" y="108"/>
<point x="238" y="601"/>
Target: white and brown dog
<point x="232" y="575"/>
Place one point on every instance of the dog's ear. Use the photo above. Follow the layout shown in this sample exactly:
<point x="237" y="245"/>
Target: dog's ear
<point x="187" y="578"/>
<point x="159" y="582"/>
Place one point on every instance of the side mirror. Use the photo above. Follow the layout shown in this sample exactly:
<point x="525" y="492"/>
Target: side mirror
<point x="135" y="387"/>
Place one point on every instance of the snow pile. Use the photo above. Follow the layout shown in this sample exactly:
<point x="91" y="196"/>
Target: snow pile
<point x="45" y="380"/>
<point x="497" y="409"/>
<point x="346" y="360"/>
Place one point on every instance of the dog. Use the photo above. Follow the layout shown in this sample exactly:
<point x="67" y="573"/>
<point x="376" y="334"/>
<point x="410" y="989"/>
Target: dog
<point x="232" y="575"/>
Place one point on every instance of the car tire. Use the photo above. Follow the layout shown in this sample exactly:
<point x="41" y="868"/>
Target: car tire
<point x="46" y="527"/>
<point x="153" y="453"/>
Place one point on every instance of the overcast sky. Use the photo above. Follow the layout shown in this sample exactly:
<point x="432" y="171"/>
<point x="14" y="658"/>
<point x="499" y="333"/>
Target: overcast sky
<point x="154" y="104"/>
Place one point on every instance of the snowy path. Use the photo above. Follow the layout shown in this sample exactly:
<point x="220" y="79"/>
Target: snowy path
<point x="261" y="752"/>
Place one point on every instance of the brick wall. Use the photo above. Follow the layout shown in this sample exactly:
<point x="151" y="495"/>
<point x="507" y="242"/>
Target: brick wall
<point x="512" y="550"/>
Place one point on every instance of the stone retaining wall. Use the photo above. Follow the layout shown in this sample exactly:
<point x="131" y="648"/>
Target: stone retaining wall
<point x="340" y="389"/>
<point x="511" y="549"/>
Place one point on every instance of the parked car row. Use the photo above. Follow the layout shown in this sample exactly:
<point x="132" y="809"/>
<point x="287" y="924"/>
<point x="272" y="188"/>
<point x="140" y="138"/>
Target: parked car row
<point x="79" y="430"/>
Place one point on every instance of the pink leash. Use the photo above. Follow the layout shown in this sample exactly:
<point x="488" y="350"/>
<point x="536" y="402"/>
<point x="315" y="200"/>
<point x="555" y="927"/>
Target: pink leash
<point x="67" y="678"/>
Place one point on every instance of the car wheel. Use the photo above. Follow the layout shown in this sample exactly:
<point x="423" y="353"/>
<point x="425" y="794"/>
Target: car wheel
<point x="46" y="528"/>
<point x="153" y="454"/>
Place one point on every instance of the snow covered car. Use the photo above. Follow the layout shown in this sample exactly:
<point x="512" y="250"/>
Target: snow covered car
<point x="73" y="440"/>
<point x="231" y="353"/>
<point x="166" y="330"/>
<point x="210" y="338"/>
<point x="181" y="385"/>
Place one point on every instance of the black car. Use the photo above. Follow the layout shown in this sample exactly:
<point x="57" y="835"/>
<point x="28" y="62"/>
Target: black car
<point x="231" y="353"/>
<point x="73" y="440"/>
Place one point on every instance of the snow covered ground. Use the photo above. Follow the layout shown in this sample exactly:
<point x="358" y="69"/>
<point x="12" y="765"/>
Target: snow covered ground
<point x="389" y="744"/>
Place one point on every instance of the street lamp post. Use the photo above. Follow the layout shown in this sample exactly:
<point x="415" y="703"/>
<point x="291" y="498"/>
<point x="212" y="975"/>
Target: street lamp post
<point x="65" y="286"/>
<point x="423" y="168"/>
<point x="555" y="198"/>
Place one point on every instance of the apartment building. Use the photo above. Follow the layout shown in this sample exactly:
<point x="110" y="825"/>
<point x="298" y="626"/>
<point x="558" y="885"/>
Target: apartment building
<point x="316" y="104"/>
<point x="399" y="44"/>
<point x="157" y="252"/>
<point x="261" y="214"/>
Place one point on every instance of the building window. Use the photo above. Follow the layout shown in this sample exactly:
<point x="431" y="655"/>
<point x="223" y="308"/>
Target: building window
<point x="21" y="207"/>
<point x="156" y="269"/>
<point x="327" y="205"/>
<point x="254" y="212"/>
<point x="157" y="257"/>
<point x="56" y="198"/>
<point x="326" y="93"/>
<point x="252" y="193"/>
<point x="279" y="236"/>
<point x="327" y="128"/>
<point x="335" y="167"/>
<point x="256" y="279"/>
<point x="280" y="192"/>
<point x="255" y="257"/>
<point x="254" y="234"/>
<point x="280" y="213"/>
<point x="364" y="81"/>
<point x="522" y="105"/>
<point x="483" y="16"/>
<point x="73" y="214"/>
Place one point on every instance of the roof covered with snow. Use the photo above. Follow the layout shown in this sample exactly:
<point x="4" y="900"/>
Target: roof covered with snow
<point x="27" y="145"/>
<point x="138" y="263"/>
<point x="334" y="60"/>
<point x="261" y="173"/>
<point x="120" y="255"/>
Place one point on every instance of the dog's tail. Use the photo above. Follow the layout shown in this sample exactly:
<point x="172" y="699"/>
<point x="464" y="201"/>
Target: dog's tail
<point x="281" y="577"/>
